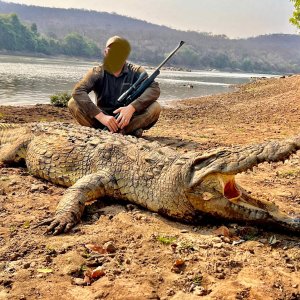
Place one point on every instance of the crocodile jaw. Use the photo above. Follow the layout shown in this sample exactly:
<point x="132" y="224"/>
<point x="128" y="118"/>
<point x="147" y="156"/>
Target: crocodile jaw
<point x="219" y="195"/>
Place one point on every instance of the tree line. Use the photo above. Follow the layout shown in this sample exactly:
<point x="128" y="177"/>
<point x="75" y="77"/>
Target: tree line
<point x="84" y="33"/>
<point x="16" y="36"/>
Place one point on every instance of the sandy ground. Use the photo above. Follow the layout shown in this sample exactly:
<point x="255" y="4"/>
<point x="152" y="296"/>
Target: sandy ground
<point x="142" y="255"/>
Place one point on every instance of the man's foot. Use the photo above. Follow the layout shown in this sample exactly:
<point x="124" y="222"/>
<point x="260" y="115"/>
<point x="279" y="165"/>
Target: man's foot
<point x="138" y="132"/>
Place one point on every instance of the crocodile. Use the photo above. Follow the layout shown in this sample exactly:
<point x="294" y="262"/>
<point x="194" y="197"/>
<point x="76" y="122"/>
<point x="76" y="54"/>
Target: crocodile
<point x="186" y="186"/>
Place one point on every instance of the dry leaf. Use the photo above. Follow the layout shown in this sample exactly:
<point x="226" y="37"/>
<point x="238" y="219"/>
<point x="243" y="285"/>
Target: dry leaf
<point x="96" y="248"/>
<point x="179" y="262"/>
<point x="223" y="230"/>
<point x="97" y="273"/>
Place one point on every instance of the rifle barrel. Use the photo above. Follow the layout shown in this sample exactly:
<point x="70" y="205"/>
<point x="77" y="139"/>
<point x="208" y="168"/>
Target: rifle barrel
<point x="170" y="55"/>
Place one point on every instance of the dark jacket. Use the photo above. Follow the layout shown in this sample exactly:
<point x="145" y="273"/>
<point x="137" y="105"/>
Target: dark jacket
<point x="108" y="88"/>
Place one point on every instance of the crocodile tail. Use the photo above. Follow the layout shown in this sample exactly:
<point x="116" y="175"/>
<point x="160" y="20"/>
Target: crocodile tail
<point x="10" y="132"/>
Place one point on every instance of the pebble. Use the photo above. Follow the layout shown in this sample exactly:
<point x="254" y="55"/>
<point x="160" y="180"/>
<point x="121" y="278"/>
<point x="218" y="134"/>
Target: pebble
<point x="78" y="281"/>
<point x="216" y="239"/>
<point x="218" y="245"/>
<point x="199" y="291"/>
<point x="37" y="188"/>
<point x="290" y="266"/>
<point x="226" y="240"/>
<point x="26" y="265"/>
<point x="220" y="276"/>
<point x="204" y="246"/>
<point x="110" y="247"/>
<point x="170" y="292"/>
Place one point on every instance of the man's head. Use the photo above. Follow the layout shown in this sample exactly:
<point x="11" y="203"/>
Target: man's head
<point x="115" y="54"/>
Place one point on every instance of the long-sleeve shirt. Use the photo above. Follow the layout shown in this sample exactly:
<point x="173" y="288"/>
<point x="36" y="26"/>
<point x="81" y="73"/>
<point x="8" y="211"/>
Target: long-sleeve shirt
<point x="108" y="88"/>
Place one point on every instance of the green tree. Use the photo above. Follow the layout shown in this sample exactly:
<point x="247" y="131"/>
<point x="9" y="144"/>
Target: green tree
<point x="75" y="44"/>
<point x="15" y="36"/>
<point x="295" y="19"/>
<point x="33" y="28"/>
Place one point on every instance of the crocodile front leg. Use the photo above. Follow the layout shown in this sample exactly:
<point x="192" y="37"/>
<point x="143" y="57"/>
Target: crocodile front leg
<point x="71" y="206"/>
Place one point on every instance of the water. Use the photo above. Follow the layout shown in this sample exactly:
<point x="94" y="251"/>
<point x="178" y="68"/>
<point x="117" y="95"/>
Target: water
<point x="31" y="80"/>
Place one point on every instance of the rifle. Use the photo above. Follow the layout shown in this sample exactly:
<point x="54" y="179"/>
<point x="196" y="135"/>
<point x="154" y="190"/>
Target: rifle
<point x="142" y="83"/>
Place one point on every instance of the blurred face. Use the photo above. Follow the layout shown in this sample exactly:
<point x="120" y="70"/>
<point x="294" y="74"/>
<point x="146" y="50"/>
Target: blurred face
<point x="115" y="56"/>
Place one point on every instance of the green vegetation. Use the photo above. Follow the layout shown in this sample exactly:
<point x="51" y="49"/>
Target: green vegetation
<point x="197" y="280"/>
<point x="295" y="19"/>
<point x="166" y="240"/>
<point x="15" y="36"/>
<point x="60" y="99"/>
<point x="288" y="173"/>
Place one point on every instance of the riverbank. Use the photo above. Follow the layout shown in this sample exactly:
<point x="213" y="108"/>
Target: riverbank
<point x="157" y="258"/>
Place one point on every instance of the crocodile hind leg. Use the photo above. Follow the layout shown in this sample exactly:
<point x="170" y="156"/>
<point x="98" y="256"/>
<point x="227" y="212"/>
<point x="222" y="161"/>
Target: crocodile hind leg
<point x="71" y="206"/>
<point x="15" y="151"/>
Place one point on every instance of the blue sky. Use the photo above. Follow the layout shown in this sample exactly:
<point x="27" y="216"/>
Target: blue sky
<point x="235" y="18"/>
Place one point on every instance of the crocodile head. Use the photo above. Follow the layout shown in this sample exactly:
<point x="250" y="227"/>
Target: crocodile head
<point x="212" y="188"/>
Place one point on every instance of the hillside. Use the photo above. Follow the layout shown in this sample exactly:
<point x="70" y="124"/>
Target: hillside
<point x="277" y="53"/>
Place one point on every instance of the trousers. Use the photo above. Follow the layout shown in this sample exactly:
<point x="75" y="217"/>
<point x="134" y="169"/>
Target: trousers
<point x="144" y="120"/>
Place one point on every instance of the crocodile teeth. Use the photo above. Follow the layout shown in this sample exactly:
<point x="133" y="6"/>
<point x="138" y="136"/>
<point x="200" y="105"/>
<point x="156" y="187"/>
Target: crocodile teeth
<point x="252" y="214"/>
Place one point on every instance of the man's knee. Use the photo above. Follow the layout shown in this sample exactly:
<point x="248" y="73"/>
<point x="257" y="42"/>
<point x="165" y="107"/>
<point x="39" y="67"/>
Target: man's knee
<point x="72" y="105"/>
<point x="154" y="109"/>
<point x="78" y="115"/>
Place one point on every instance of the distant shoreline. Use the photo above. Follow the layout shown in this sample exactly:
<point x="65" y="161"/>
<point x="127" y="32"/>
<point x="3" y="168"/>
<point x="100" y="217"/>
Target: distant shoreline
<point x="97" y="60"/>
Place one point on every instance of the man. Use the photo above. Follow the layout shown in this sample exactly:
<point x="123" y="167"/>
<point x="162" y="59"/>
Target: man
<point x="109" y="81"/>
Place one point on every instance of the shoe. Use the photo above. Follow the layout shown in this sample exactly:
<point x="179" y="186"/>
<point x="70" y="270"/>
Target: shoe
<point x="138" y="133"/>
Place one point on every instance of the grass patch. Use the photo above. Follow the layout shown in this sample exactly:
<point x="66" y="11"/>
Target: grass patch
<point x="197" y="280"/>
<point x="166" y="240"/>
<point x="60" y="99"/>
<point x="288" y="173"/>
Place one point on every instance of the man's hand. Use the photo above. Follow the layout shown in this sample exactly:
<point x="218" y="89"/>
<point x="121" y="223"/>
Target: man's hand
<point x="125" y="115"/>
<point x="109" y="121"/>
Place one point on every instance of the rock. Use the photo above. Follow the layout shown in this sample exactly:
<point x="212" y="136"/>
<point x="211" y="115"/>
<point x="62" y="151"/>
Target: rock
<point x="38" y="188"/>
<point x="199" y="291"/>
<point x="218" y="245"/>
<point x="204" y="246"/>
<point x="220" y="276"/>
<point x="110" y="247"/>
<point x="216" y="239"/>
<point x="26" y="265"/>
<point x="78" y="281"/>
<point x="170" y="292"/>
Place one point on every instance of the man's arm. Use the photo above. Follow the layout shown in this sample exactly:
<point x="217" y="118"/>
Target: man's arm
<point x="81" y="96"/>
<point x="83" y="88"/>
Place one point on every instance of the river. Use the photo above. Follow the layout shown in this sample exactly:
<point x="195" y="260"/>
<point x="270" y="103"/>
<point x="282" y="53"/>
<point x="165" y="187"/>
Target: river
<point x="31" y="80"/>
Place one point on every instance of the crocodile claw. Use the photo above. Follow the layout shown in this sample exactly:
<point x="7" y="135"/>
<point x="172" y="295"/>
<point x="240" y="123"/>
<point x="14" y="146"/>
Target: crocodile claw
<point x="58" y="224"/>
